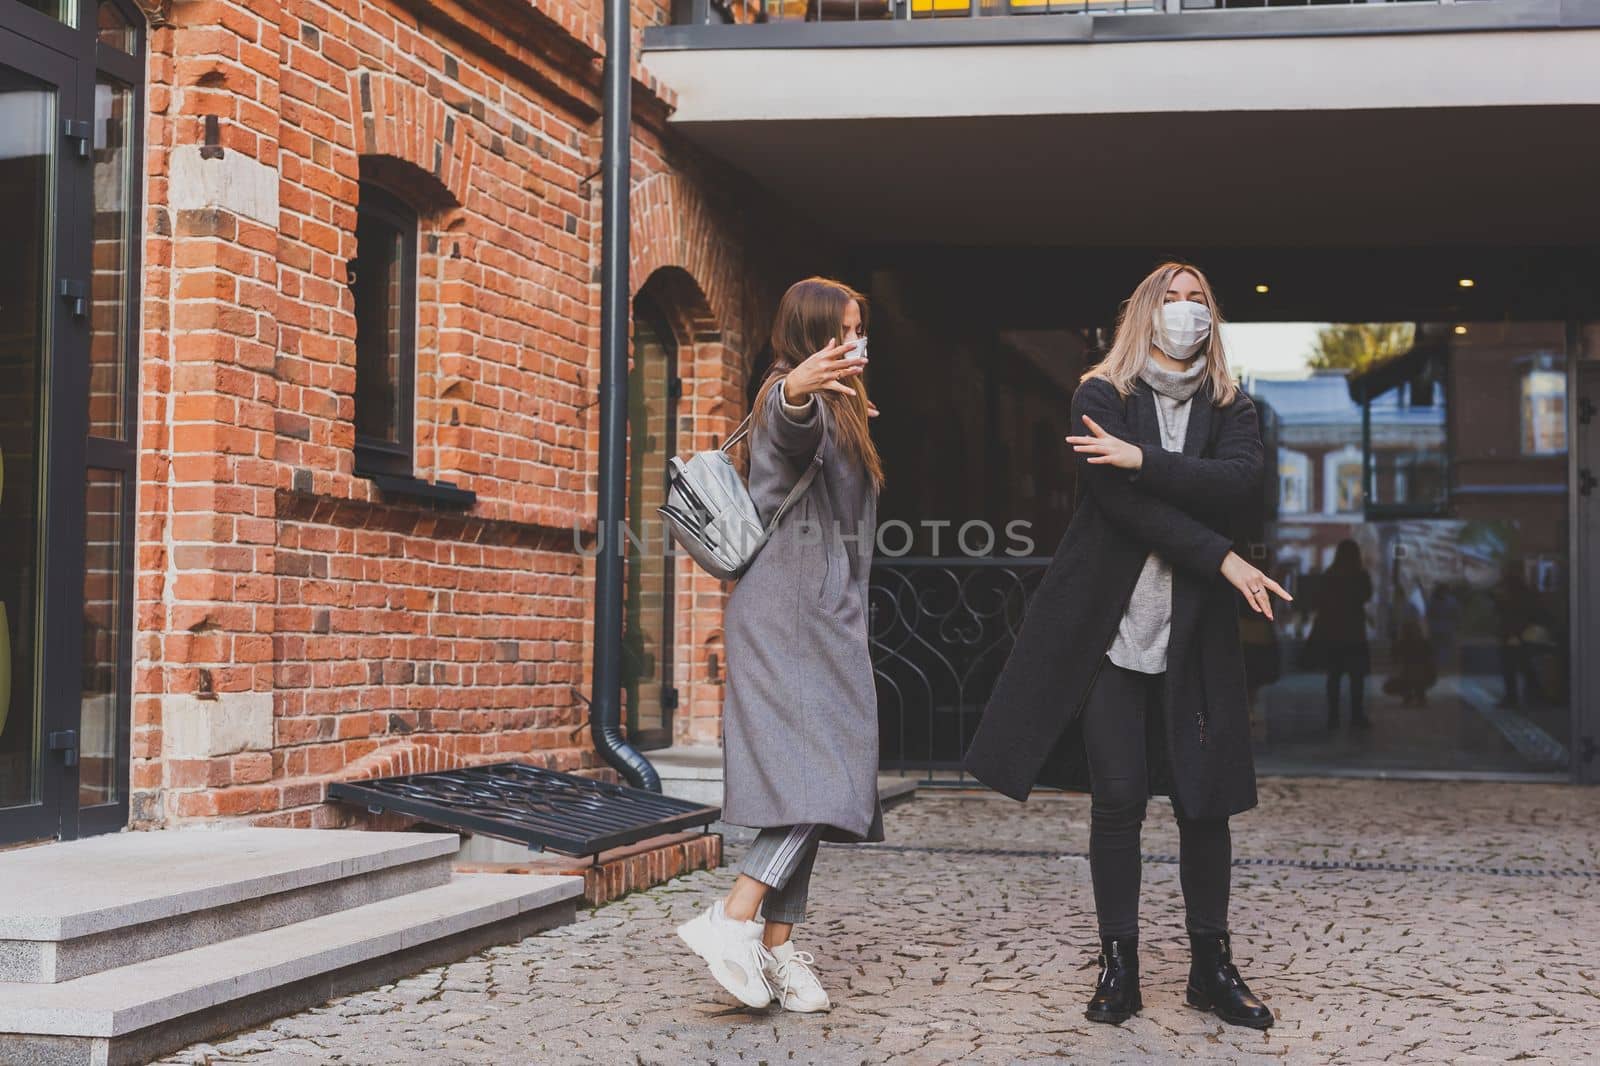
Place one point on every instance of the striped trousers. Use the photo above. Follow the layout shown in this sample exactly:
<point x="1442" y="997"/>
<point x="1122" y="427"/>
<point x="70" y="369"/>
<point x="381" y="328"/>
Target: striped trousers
<point x="781" y="858"/>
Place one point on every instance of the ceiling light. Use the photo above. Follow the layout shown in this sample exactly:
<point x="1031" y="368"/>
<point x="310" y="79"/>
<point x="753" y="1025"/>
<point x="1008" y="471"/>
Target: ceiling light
<point x="1466" y="283"/>
<point x="1461" y="329"/>
<point x="1263" y="288"/>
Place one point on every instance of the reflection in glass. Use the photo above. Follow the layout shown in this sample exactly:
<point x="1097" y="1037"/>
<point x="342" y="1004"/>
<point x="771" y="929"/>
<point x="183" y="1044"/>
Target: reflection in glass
<point x="102" y="639"/>
<point x="647" y="612"/>
<point x="1438" y="458"/>
<point x="1403" y="397"/>
<point x="114" y="30"/>
<point x="27" y="125"/>
<point x="1544" y="406"/>
<point x="65" y="10"/>
<point x="109" y="280"/>
<point x="378" y="299"/>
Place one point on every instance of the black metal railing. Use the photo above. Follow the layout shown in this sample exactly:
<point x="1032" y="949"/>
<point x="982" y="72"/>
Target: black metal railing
<point x="940" y="630"/>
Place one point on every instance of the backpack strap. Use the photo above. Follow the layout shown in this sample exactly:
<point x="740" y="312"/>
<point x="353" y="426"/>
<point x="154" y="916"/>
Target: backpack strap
<point x="742" y="430"/>
<point x="799" y="490"/>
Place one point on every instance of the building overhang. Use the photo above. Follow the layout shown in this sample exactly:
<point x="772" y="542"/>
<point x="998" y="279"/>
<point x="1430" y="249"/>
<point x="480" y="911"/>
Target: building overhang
<point x="1349" y="139"/>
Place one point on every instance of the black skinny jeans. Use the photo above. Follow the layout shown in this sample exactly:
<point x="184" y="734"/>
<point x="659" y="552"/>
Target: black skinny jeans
<point x="1347" y="659"/>
<point x="1120" y="706"/>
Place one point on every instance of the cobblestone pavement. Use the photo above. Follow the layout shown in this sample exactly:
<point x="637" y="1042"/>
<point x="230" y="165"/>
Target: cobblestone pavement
<point x="1383" y="921"/>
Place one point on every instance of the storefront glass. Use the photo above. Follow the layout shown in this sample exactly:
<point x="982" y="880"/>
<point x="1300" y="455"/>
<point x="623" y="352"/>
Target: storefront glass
<point x="1419" y="516"/>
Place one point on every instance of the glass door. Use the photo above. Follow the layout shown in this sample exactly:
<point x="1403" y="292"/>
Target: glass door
<point x="647" y="683"/>
<point x="37" y="335"/>
<point x="1420" y="517"/>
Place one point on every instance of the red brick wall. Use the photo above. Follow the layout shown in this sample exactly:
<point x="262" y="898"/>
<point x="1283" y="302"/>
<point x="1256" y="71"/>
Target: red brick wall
<point x="290" y="619"/>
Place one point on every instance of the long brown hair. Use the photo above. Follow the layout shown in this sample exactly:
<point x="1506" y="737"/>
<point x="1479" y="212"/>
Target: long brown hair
<point x="811" y="314"/>
<point x="1136" y="329"/>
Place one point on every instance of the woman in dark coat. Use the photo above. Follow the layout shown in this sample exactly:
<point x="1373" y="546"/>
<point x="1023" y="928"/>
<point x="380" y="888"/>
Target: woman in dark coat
<point x="1338" y="638"/>
<point x="800" y="722"/>
<point x="1127" y="679"/>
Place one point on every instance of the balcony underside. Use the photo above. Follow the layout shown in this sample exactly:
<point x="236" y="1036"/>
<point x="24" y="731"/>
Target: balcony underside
<point x="1447" y="138"/>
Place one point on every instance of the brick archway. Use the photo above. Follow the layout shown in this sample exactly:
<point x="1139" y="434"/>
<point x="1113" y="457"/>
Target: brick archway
<point x="398" y="119"/>
<point x="712" y="370"/>
<point x="673" y="227"/>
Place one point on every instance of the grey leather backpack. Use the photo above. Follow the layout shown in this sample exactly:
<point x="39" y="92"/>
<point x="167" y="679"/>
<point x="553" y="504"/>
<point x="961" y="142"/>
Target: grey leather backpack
<point x="711" y="514"/>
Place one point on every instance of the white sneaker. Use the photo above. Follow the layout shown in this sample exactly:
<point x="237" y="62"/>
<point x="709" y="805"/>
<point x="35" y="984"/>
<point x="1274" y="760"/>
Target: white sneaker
<point x="791" y="977"/>
<point x="734" y="951"/>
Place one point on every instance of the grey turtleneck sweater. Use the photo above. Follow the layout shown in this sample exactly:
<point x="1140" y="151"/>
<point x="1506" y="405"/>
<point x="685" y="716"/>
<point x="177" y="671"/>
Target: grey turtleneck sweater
<point x="1146" y="626"/>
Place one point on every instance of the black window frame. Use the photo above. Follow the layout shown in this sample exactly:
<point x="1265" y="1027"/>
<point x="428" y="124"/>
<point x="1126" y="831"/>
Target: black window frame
<point x="378" y="458"/>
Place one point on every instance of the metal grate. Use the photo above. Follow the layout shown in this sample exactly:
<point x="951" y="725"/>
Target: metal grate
<point x="540" y="808"/>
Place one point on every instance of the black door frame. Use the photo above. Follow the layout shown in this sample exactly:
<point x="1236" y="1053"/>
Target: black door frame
<point x="59" y="449"/>
<point x="71" y="58"/>
<point x="1583" y="495"/>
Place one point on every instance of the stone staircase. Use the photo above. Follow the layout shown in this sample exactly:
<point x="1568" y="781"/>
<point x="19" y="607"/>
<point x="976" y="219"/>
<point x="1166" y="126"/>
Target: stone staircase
<point x="121" y="948"/>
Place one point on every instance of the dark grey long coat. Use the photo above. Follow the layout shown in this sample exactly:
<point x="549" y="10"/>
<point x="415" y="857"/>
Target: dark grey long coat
<point x="1181" y="506"/>
<point x="800" y="716"/>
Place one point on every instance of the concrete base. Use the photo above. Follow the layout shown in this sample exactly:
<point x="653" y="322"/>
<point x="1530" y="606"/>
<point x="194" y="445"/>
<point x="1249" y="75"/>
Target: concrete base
<point x="67" y="960"/>
<point x="132" y="946"/>
<point x="220" y="1021"/>
<point x="695" y="774"/>
<point x="70" y="910"/>
<point x="615" y="873"/>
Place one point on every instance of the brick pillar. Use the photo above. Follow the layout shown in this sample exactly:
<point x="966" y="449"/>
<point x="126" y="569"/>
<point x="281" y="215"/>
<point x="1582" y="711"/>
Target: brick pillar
<point x="222" y="195"/>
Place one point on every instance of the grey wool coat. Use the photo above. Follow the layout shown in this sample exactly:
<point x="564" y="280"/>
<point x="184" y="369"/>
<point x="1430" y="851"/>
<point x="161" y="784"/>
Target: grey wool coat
<point x="800" y="715"/>
<point x="1183" y="506"/>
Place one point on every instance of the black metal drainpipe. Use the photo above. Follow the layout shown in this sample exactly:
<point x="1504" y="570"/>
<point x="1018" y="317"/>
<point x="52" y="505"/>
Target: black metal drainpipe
<point x="605" y="709"/>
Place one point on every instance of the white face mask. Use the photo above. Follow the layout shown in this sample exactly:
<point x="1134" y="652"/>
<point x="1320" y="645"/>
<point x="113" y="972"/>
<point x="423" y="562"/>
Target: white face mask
<point x="1182" y="328"/>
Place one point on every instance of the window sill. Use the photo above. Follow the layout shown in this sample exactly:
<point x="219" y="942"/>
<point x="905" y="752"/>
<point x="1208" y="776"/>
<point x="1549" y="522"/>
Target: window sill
<point x="442" y="493"/>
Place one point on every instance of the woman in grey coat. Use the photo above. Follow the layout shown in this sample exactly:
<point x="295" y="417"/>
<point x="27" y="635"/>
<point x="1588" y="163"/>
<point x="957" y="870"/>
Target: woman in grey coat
<point x="800" y="723"/>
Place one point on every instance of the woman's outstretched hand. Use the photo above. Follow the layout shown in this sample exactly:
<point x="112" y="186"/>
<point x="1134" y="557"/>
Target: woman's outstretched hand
<point x="826" y="369"/>
<point x="1255" y="586"/>
<point x="1102" y="447"/>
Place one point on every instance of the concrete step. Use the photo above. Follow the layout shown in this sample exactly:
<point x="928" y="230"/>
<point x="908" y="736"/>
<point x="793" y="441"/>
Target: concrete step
<point x="137" y="1012"/>
<point x="80" y="908"/>
<point x="694" y="773"/>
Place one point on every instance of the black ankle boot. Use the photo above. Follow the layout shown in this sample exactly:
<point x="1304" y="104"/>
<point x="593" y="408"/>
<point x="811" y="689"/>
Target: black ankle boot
<point x="1116" y="996"/>
<point x="1215" y="984"/>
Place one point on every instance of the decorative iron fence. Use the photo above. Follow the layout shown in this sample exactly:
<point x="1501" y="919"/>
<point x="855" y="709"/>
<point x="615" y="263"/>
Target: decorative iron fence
<point x="940" y="630"/>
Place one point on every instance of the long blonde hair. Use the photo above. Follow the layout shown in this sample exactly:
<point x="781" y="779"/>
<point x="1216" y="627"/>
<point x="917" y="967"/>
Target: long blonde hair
<point x="1136" y="330"/>
<point x="809" y="315"/>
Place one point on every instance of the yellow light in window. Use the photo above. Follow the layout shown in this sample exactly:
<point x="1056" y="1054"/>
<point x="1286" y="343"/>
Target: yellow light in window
<point x="1466" y="283"/>
<point x="1263" y="288"/>
<point x="1461" y="330"/>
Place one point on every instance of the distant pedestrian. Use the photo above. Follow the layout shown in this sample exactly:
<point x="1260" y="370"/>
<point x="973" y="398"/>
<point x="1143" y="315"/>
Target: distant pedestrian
<point x="1444" y="620"/>
<point x="1517" y="614"/>
<point x="1338" y="641"/>
<point x="1127" y="679"/>
<point x="800" y="718"/>
<point x="1414" y="668"/>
